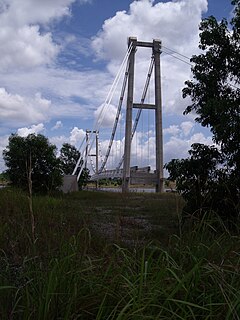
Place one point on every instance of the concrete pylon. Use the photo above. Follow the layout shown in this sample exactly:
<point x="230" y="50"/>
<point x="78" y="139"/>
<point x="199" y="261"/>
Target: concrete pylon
<point x="158" y="115"/>
<point x="156" y="50"/>
<point x="128" y="127"/>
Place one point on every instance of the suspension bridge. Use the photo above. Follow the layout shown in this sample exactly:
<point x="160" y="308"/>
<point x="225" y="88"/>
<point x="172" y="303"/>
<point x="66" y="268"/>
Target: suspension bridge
<point x="135" y="105"/>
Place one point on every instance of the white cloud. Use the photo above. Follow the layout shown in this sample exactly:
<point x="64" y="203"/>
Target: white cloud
<point x="25" y="48"/>
<point x="65" y="86"/>
<point x="16" y="110"/>
<point x="57" y="125"/>
<point x="24" y="132"/>
<point x="84" y="1"/>
<point x="172" y="130"/>
<point x="187" y="127"/>
<point x="22" y="12"/>
<point x="29" y="72"/>
<point x="59" y="140"/>
<point x="183" y="130"/>
<point x="143" y="149"/>
<point x="200" y="138"/>
<point x="106" y="115"/>
<point x="76" y="136"/>
<point x="177" y="148"/>
<point x="27" y="63"/>
<point x="174" y="22"/>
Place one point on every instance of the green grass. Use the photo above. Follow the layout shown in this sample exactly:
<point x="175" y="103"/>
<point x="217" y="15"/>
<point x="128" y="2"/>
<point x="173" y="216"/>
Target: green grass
<point x="113" y="256"/>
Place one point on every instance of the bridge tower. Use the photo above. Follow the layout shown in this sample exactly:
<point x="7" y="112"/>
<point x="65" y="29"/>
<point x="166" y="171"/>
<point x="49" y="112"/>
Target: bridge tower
<point x="133" y="43"/>
<point x="88" y="132"/>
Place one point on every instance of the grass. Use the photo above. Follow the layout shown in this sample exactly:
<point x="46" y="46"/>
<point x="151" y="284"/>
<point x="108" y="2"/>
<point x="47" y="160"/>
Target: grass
<point x="114" y="256"/>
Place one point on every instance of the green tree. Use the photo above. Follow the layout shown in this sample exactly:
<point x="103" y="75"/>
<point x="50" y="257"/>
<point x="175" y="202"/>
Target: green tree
<point x="4" y="179"/>
<point x="209" y="180"/>
<point x="215" y="88"/>
<point x="197" y="179"/>
<point x="84" y="178"/>
<point x="32" y="155"/>
<point x="69" y="156"/>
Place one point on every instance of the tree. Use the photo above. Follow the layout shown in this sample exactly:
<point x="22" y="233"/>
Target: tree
<point x="84" y="178"/>
<point x="69" y="156"/>
<point x="36" y="156"/>
<point x="215" y="88"/>
<point x="196" y="178"/>
<point x="210" y="179"/>
<point x="204" y="183"/>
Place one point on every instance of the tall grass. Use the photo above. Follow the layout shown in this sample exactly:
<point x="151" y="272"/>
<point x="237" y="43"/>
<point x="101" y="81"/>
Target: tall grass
<point x="72" y="273"/>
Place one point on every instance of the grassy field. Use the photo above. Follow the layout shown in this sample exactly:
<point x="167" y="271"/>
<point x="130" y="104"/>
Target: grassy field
<point x="100" y="255"/>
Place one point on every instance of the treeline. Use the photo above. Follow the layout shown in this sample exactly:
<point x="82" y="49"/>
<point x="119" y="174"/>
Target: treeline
<point x="33" y="159"/>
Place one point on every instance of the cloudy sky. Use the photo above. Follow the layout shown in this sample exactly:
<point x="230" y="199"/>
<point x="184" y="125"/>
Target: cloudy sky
<point x="58" y="60"/>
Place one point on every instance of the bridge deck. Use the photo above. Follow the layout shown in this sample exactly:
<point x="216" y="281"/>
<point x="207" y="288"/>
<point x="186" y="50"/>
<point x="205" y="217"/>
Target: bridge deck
<point x="137" y="175"/>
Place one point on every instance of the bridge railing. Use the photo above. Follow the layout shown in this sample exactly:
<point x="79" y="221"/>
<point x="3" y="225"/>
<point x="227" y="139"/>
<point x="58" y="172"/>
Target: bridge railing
<point x="135" y="171"/>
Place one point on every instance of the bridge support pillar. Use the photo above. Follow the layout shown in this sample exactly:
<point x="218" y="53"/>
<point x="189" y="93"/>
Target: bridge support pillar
<point x="128" y="128"/>
<point x="158" y="116"/>
<point x="156" y="49"/>
<point x="93" y="155"/>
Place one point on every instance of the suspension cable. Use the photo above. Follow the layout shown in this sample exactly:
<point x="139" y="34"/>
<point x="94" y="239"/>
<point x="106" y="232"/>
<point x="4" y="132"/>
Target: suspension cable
<point x="106" y="105"/>
<point x="116" y="119"/>
<point x="142" y="102"/>
<point x="172" y="55"/>
<point x="189" y="63"/>
<point x="182" y="55"/>
<point x="109" y="98"/>
<point x="79" y="159"/>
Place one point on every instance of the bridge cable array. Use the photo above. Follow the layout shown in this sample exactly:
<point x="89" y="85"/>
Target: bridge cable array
<point x="85" y="154"/>
<point x="188" y="62"/>
<point x="98" y="122"/>
<point x="116" y="119"/>
<point x="140" y="110"/>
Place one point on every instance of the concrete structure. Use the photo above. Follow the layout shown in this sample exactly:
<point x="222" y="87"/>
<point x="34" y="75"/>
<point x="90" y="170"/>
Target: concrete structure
<point x="156" y="50"/>
<point x="137" y="175"/>
<point x="70" y="184"/>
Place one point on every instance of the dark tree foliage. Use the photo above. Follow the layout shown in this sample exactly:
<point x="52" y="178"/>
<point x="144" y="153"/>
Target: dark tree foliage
<point x="69" y="156"/>
<point x="210" y="180"/>
<point x="203" y="182"/>
<point x="215" y="88"/>
<point x="84" y="178"/>
<point x="35" y="152"/>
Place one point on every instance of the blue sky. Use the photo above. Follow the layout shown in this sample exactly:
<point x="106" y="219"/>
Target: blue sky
<point x="60" y="58"/>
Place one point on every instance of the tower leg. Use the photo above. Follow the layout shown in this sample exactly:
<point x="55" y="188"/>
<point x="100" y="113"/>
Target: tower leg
<point x="128" y="128"/>
<point x="156" y="47"/>
<point x="158" y="116"/>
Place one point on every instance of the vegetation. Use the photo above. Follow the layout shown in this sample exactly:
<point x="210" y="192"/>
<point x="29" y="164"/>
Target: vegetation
<point x="33" y="159"/>
<point x="214" y="90"/>
<point x="110" y="182"/>
<point x="3" y="178"/>
<point x="215" y="94"/>
<point x="93" y="259"/>
<point x="32" y="156"/>
<point x="202" y="182"/>
<point x="69" y="156"/>
<point x="119" y="256"/>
